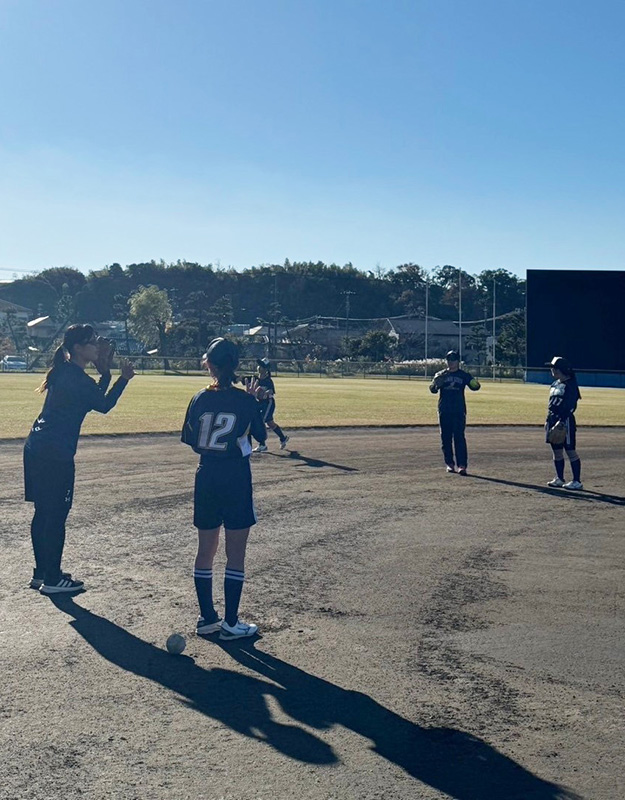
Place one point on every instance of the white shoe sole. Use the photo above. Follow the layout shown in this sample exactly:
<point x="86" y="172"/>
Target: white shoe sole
<point x="228" y="637"/>
<point x="60" y="589"/>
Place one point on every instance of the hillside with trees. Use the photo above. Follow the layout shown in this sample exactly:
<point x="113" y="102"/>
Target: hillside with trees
<point x="205" y="299"/>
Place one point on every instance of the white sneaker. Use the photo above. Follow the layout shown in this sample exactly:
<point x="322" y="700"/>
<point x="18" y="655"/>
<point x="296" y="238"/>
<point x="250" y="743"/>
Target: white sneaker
<point x="557" y="483"/>
<point x="203" y="628"/>
<point x="237" y="631"/>
<point x="283" y="442"/>
<point x="261" y="448"/>
<point x="573" y="485"/>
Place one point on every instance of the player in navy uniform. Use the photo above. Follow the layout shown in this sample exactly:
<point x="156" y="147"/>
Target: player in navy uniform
<point x="51" y="446"/>
<point x="450" y="383"/>
<point x="563" y="397"/>
<point x="217" y="426"/>
<point x="268" y="404"/>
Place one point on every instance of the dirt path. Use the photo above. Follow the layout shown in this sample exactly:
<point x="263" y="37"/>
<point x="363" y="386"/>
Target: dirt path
<point x="425" y="635"/>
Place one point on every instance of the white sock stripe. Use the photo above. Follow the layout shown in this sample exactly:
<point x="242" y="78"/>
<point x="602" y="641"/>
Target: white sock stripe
<point x="203" y="573"/>
<point x="234" y="576"/>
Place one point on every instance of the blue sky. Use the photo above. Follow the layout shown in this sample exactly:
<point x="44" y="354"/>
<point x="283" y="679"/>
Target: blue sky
<point x="479" y="133"/>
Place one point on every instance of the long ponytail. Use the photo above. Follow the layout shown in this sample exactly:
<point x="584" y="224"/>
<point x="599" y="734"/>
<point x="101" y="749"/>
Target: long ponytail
<point x="224" y="376"/>
<point x="60" y="356"/>
<point x="75" y="334"/>
<point x="573" y="379"/>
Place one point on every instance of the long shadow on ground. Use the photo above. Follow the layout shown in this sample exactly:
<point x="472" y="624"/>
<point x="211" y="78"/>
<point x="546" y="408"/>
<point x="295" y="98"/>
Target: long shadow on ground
<point x="452" y="761"/>
<point x="315" y="462"/>
<point x="584" y="495"/>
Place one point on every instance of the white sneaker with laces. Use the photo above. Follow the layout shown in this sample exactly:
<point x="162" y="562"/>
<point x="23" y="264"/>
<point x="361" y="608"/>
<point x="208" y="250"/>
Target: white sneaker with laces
<point x="238" y="631"/>
<point x="283" y="442"/>
<point x="261" y="448"/>
<point x="557" y="483"/>
<point x="203" y="628"/>
<point x="576" y="485"/>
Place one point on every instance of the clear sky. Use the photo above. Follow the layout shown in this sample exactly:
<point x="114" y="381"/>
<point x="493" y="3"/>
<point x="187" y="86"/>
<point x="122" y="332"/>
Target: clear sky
<point x="479" y="133"/>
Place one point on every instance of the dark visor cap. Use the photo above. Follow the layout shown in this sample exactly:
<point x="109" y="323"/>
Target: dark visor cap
<point x="559" y="362"/>
<point x="221" y="353"/>
<point x="452" y="356"/>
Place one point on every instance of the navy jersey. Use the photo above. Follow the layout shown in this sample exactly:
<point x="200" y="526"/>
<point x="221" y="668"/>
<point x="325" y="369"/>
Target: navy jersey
<point x="563" y="397"/>
<point x="267" y="383"/>
<point x="451" y="386"/>
<point x="69" y="398"/>
<point x="219" y="421"/>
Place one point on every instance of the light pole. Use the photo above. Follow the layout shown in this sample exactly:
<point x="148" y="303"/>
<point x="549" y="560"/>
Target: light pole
<point x="494" y="313"/>
<point x="347" y="294"/>
<point x="460" y="314"/>
<point x="427" y="313"/>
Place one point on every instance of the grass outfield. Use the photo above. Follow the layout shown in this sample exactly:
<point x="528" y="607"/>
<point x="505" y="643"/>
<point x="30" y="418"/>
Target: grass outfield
<point x="157" y="403"/>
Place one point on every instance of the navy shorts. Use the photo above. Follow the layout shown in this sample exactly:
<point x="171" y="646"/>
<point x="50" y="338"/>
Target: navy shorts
<point x="223" y="495"/>
<point x="571" y="432"/>
<point x="267" y="408"/>
<point x="48" y="484"/>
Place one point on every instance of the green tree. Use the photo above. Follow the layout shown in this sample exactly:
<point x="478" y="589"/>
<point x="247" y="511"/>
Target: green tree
<point x="511" y="340"/>
<point x="150" y="317"/>
<point x="376" y="345"/>
<point x="509" y="291"/>
<point x="13" y="328"/>
<point x="197" y="303"/>
<point x="220" y="315"/>
<point x="121" y="312"/>
<point x="476" y="340"/>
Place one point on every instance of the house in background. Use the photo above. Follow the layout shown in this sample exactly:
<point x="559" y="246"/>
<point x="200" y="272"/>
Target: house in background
<point x="12" y="310"/>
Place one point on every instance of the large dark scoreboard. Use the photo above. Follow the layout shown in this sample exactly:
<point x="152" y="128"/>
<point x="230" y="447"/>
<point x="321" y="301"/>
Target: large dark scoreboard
<point x="579" y="314"/>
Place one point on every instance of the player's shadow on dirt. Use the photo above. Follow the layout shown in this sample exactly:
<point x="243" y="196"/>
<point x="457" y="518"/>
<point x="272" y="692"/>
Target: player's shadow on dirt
<point x="452" y="761"/>
<point x="584" y="495"/>
<point x="315" y="462"/>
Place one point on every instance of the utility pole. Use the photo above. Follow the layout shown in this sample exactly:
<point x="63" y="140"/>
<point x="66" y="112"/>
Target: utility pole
<point x="347" y="294"/>
<point x="275" y="314"/>
<point x="460" y="314"/>
<point x="494" y="313"/>
<point x="427" y="312"/>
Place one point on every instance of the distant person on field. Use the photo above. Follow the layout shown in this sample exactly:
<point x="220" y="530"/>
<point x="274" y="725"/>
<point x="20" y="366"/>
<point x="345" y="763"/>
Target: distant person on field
<point x="217" y="426"/>
<point x="450" y="384"/>
<point x="267" y="403"/>
<point x="563" y="397"/>
<point x="51" y="446"/>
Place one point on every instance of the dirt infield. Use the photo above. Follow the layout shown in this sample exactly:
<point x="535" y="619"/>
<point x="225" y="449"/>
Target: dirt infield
<point x="425" y="635"/>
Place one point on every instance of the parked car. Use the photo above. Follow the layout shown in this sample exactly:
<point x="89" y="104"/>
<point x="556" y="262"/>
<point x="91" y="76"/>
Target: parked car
<point x="14" y="364"/>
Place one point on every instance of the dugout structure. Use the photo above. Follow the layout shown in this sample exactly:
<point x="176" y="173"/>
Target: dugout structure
<point x="579" y="314"/>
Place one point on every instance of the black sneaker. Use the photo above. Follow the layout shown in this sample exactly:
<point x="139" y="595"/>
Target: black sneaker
<point x="65" y="584"/>
<point x="37" y="583"/>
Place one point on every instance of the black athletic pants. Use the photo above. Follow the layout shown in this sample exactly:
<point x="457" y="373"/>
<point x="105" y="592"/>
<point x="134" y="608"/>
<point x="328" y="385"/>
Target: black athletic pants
<point x="50" y="486"/>
<point x="452" y="425"/>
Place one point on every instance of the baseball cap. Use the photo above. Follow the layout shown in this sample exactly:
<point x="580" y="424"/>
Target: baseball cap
<point x="559" y="362"/>
<point x="222" y="352"/>
<point x="452" y="356"/>
<point x="263" y="362"/>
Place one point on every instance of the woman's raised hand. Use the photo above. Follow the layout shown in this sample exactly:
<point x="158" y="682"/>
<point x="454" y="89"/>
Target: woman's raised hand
<point x="127" y="369"/>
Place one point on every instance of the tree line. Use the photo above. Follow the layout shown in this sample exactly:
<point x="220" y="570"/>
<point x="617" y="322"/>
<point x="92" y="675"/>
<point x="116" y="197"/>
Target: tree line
<point x="201" y="299"/>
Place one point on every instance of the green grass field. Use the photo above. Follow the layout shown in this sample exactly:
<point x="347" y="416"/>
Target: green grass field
<point x="157" y="403"/>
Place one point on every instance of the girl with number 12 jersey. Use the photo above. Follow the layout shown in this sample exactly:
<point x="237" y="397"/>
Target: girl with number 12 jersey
<point x="218" y="425"/>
